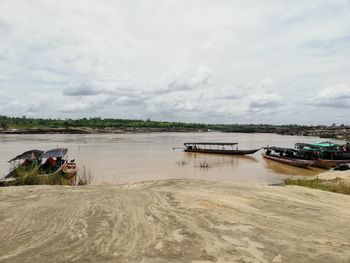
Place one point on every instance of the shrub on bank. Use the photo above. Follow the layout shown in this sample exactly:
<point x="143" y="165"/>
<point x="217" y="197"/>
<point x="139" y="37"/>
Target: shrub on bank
<point x="30" y="176"/>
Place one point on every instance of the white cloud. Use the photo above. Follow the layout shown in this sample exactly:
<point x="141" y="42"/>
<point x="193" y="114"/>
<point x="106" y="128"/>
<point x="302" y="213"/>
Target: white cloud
<point x="337" y="96"/>
<point x="340" y="91"/>
<point x="200" y="60"/>
<point x="201" y="78"/>
<point x="264" y="100"/>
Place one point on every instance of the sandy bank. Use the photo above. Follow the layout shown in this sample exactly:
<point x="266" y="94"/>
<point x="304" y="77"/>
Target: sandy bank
<point x="344" y="175"/>
<point x="173" y="221"/>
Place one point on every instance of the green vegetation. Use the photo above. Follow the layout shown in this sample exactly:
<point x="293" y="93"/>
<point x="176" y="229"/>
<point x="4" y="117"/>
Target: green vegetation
<point x="27" y="175"/>
<point x="25" y="123"/>
<point x="30" y="176"/>
<point x="31" y="123"/>
<point x="336" y="185"/>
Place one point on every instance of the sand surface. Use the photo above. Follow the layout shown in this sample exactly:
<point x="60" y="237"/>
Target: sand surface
<point x="329" y="175"/>
<point x="173" y="221"/>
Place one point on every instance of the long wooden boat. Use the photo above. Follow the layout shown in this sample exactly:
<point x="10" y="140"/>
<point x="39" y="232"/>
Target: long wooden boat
<point x="216" y="148"/>
<point x="290" y="161"/>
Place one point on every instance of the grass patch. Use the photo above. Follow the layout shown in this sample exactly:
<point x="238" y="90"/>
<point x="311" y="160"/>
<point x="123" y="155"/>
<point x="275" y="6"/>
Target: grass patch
<point x="84" y="176"/>
<point x="31" y="177"/>
<point x="336" y="185"/>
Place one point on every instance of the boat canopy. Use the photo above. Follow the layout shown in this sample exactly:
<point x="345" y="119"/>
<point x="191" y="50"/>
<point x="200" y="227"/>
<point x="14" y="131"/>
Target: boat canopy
<point x="55" y="153"/>
<point x="324" y="144"/>
<point x="210" y="143"/>
<point x="280" y="149"/>
<point x="28" y="155"/>
<point x="301" y="145"/>
<point x="316" y="145"/>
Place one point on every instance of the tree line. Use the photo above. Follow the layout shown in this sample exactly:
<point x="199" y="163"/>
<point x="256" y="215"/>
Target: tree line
<point x="28" y="123"/>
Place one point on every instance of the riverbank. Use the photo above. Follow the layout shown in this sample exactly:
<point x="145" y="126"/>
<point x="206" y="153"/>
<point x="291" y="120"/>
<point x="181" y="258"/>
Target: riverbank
<point x="89" y="130"/>
<point x="173" y="221"/>
<point x="340" y="133"/>
<point x="24" y="125"/>
<point x="333" y="181"/>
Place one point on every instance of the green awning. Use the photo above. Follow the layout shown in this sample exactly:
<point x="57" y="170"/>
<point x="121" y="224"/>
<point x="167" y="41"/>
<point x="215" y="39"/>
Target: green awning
<point x="325" y="144"/>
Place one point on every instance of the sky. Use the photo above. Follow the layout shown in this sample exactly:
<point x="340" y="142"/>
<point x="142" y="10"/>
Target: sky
<point x="208" y="61"/>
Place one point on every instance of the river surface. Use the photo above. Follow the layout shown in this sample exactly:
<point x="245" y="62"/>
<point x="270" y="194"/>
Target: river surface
<point x="124" y="158"/>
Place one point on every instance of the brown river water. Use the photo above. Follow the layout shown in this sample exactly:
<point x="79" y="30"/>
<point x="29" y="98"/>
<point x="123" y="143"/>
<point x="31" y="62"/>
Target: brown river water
<point x="124" y="158"/>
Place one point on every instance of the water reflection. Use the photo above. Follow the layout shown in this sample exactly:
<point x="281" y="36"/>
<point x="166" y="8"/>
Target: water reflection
<point x="213" y="160"/>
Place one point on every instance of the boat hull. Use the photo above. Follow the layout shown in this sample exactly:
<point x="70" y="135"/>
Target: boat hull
<point x="327" y="164"/>
<point x="227" y="152"/>
<point x="59" y="170"/>
<point x="290" y="161"/>
<point x="70" y="172"/>
<point x="70" y="169"/>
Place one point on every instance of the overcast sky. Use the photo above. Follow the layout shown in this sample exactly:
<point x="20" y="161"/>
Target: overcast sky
<point x="213" y="61"/>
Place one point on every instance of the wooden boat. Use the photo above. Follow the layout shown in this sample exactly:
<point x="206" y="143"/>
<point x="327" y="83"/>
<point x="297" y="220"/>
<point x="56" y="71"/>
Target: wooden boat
<point x="25" y="161"/>
<point x="326" y="154"/>
<point x="286" y="156"/>
<point x="55" y="160"/>
<point x="290" y="161"/>
<point x="216" y="148"/>
<point x="42" y="164"/>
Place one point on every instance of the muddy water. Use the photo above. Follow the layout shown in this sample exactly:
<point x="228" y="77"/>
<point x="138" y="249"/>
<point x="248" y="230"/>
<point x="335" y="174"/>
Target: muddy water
<point x="121" y="158"/>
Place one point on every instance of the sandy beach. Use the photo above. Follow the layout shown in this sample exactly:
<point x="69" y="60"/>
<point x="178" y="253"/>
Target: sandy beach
<point x="173" y="221"/>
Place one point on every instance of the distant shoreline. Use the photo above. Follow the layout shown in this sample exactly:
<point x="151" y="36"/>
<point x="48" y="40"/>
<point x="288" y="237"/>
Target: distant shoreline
<point x="340" y="133"/>
<point x="24" y="125"/>
<point x="87" y="130"/>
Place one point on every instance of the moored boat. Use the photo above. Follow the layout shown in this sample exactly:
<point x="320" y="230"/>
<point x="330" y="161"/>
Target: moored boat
<point x="327" y="154"/>
<point x="290" y="161"/>
<point x="38" y="167"/>
<point x="286" y="156"/>
<point x="216" y="148"/>
<point x="24" y="162"/>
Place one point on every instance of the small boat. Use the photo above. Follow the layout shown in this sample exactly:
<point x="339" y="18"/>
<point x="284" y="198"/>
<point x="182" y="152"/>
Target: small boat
<point x="286" y="156"/>
<point x="41" y="164"/>
<point x="55" y="161"/>
<point x="216" y="148"/>
<point x="22" y="163"/>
